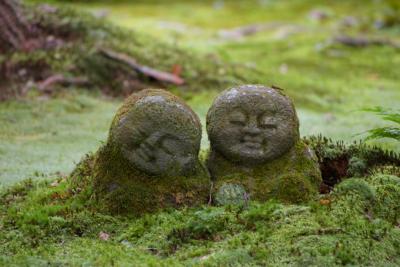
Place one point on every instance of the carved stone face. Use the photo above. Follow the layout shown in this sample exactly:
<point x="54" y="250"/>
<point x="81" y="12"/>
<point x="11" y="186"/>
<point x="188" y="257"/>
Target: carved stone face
<point x="159" y="134"/>
<point x="252" y="124"/>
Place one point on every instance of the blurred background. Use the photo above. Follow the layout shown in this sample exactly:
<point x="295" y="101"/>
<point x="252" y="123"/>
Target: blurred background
<point x="79" y="59"/>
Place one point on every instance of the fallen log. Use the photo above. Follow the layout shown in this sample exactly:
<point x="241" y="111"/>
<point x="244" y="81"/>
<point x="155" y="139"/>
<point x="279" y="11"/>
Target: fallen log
<point x="145" y="70"/>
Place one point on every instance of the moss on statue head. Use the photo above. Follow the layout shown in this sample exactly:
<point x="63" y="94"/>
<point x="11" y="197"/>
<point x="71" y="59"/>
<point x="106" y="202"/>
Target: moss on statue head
<point x="157" y="133"/>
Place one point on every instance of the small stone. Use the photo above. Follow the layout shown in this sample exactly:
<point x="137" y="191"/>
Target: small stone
<point x="126" y="243"/>
<point x="231" y="194"/>
<point x="318" y="15"/>
<point x="104" y="236"/>
<point x="22" y="72"/>
<point x="101" y="13"/>
<point x="219" y="4"/>
<point x="350" y="21"/>
<point x="329" y="117"/>
<point x="48" y="8"/>
<point x="283" y="69"/>
<point x="54" y="184"/>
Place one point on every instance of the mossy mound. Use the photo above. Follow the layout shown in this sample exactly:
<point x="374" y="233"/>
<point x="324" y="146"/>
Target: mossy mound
<point x="54" y="223"/>
<point x="72" y="45"/>
<point x="121" y="188"/>
<point x="356" y="186"/>
<point x="339" y="161"/>
<point x="292" y="178"/>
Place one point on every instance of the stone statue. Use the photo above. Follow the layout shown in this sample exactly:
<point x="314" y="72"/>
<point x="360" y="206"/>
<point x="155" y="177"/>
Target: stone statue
<point x="150" y="160"/>
<point x="254" y="137"/>
<point x="159" y="134"/>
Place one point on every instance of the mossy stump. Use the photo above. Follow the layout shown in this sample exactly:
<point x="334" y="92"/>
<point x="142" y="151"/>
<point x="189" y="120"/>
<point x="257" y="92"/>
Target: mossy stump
<point x="255" y="144"/>
<point x="150" y="161"/>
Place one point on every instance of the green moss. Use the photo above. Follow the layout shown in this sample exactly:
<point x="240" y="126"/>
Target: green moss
<point x="356" y="186"/>
<point x="295" y="177"/>
<point x="124" y="189"/>
<point x="294" y="188"/>
<point x="339" y="160"/>
<point x="357" y="166"/>
<point x="39" y="224"/>
<point x="387" y="197"/>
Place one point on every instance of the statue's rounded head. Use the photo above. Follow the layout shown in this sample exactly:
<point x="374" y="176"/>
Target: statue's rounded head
<point x="252" y="124"/>
<point x="157" y="133"/>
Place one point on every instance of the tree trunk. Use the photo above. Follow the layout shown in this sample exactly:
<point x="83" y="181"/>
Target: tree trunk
<point x="14" y="29"/>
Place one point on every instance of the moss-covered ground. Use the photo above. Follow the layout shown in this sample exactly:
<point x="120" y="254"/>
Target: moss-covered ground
<point x="41" y="137"/>
<point x="45" y="224"/>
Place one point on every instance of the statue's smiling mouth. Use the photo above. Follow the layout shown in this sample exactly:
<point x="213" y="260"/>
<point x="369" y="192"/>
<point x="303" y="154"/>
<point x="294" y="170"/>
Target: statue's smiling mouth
<point x="252" y="145"/>
<point x="252" y="142"/>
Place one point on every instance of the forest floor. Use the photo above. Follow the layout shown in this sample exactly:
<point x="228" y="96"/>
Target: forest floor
<point x="290" y="43"/>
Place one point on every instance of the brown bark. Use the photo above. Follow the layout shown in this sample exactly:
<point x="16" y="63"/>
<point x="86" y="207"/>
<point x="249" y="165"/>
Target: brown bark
<point x="15" y="31"/>
<point x="145" y="70"/>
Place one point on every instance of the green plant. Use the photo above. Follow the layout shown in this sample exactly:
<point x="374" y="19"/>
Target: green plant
<point x="392" y="115"/>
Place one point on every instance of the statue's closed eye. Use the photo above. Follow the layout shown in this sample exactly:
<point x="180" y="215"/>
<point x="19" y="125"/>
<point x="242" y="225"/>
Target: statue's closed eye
<point x="267" y="122"/>
<point x="170" y="145"/>
<point x="237" y="118"/>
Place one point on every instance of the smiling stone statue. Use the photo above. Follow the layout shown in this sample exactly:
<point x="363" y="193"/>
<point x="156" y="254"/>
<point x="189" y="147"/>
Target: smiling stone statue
<point x="254" y="137"/>
<point x="252" y="124"/>
<point x="150" y="160"/>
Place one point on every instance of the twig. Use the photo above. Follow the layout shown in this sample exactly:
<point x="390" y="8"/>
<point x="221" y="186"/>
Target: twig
<point x="247" y="30"/>
<point x="363" y="41"/>
<point x="148" y="71"/>
<point x="61" y="79"/>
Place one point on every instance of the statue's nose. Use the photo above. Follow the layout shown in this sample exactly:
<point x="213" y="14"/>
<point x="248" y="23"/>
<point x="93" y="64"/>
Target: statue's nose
<point x="154" y="138"/>
<point x="252" y="128"/>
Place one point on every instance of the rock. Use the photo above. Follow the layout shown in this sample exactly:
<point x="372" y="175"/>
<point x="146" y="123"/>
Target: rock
<point x="150" y="160"/>
<point x="255" y="143"/>
<point x="231" y="194"/>
<point x="350" y="21"/>
<point x="101" y="13"/>
<point x="318" y="15"/>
